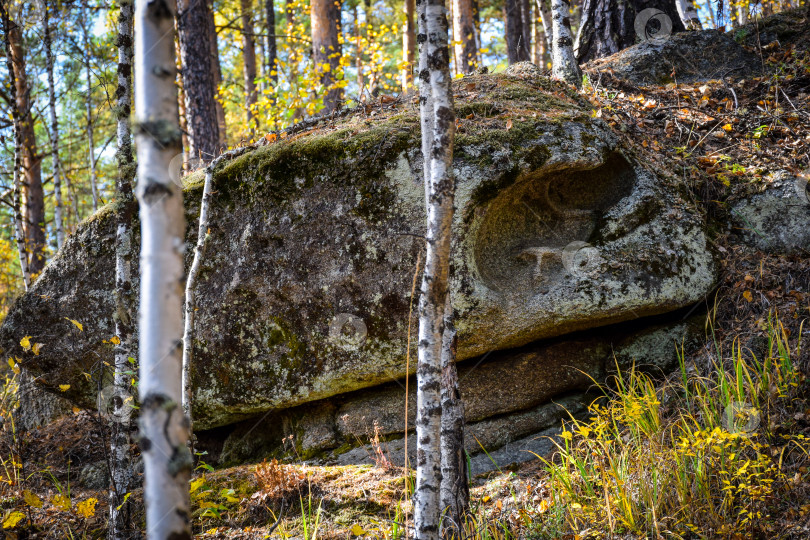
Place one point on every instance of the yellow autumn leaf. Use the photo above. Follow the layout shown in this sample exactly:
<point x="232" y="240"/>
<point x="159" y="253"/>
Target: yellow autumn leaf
<point x="12" y="519"/>
<point x="26" y="342"/>
<point x="87" y="508"/>
<point x="115" y="340"/>
<point x="64" y="387"/>
<point x="36" y="347"/>
<point x="195" y="484"/>
<point x="727" y="128"/>
<point x="357" y="530"/>
<point x="11" y="363"/>
<point x="77" y="324"/>
<point x="76" y="410"/>
<point x="748" y="296"/>
<point x="61" y="501"/>
<point x="31" y="499"/>
<point x="486" y="498"/>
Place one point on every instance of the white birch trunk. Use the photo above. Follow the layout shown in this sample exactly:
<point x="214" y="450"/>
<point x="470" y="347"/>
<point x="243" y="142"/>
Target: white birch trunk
<point x="164" y="428"/>
<point x="434" y="66"/>
<point x="454" y="492"/>
<point x="545" y="20"/>
<point x="57" y="165"/>
<point x="742" y="12"/>
<point x="88" y="102"/>
<point x="564" y="63"/>
<point x="19" y="231"/>
<point x="191" y="280"/>
<point x="120" y="466"/>
<point x="688" y="14"/>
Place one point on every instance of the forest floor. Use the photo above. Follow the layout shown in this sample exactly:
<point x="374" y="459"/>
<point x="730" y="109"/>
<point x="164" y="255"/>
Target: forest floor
<point x="725" y="139"/>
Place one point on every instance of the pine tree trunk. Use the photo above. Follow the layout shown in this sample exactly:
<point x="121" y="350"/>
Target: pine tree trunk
<point x="434" y="63"/>
<point x="516" y="50"/>
<point x="120" y="466"/>
<point x="688" y="14"/>
<point x="198" y="78"/>
<point x="564" y="65"/>
<point x="455" y="491"/>
<point x="408" y="45"/>
<point x="58" y="217"/>
<point x="249" y="61"/>
<point x="607" y="26"/>
<point x="358" y="58"/>
<point x="19" y="231"/>
<point x="325" y="21"/>
<point x="272" y="49"/>
<point x="526" y="25"/>
<point x="466" y="38"/>
<point x="88" y="104"/>
<point x="216" y="69"/>
<point x="32" y="196"/>
<point x="164" y="428"/>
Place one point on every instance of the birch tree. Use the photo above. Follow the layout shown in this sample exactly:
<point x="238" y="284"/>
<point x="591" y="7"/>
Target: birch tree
<point x="19" y="232"/>
<point x="120" y="468"/>
<point x="688" y="14"/>
<point x="438" y="129"/>
<point x="164" y="428"/>
<point x="56" y="163"/>
<point x="564" y="64"/>
<point x="454" y="492"/>
<point x="88" y="103"/>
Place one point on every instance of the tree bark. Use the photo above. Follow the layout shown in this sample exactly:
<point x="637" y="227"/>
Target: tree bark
<point x="742" y="12"/>
<point x="688" y="14"/>
<point x="516" y="50"/>
<point x="272" y="49"/>
<point x="455" y="491"/>
<point x="198" y="78"/>
<point x="249" y="61"/>
<point x="434" y="63"/>
<point x="120" y="466"/>
<point x="32" y="195"/>
<point x="88" y="103"/>
<point x="526" y="25"/>
<point x="545" y="19"/>
<point x="216" y="69"/>
<point x="164" y="428"/>
<point x="19" y="231"/>
<point x="564" y="64"/>
<point x="408" y="45"/>
<point x="466" y="37"/>
<point x="606" y="26"/>
<point x="58" y="215"/>
<point x="325" y="21"/>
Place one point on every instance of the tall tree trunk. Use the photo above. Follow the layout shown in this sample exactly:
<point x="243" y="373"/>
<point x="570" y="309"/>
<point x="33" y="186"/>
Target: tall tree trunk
<point x="544" y="13"/>
<point x="358" y="58"/>
<point x="408" y="45"/>
<point x="88" y="103"/>
<point x="466" y="38"/>
<point x="164" y="428"/>
<point x="455" y="491"/>
<point x="249" y="61"/>
<point x="121" y="467"/>
<point x="688" y="14"/>
<point x="742" y="12"/>
<point x="19" y="231"/>
<point x="216" y="69"/>
<point x="564" y="64"/>
<point x="33" y="197"/>
<point x="58" y="216"/>
<point x="607" y="26"/>
<point x="198" y="78"/>
<point x="526" y="24"/>
<point x="721" y="14"/>
<point x="434" y="63"/>
<point x="272" y="50"/>
<point x="325" y="21"/>
<point x="516" y="50"/>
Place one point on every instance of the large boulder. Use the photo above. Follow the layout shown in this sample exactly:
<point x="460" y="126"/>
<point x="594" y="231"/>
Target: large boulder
<point x="305" y="289"/>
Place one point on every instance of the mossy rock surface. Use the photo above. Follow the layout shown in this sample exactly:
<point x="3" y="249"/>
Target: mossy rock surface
<point x="314" y="240"/>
